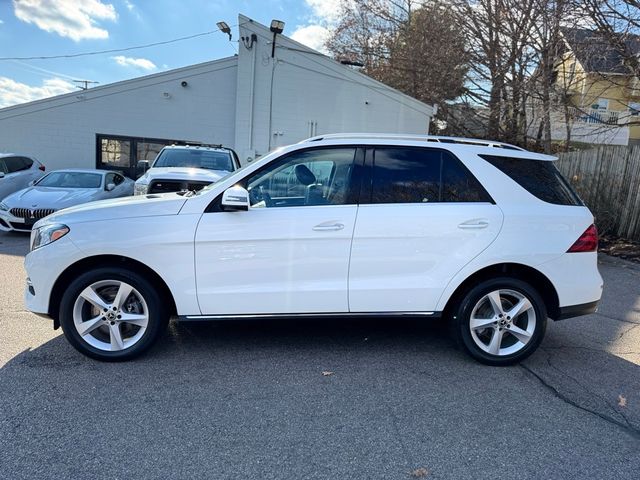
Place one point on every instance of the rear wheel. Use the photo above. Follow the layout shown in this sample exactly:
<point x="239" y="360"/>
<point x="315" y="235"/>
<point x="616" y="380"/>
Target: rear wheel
<point x="112" y="314"/>
<point x="501" y="321"/>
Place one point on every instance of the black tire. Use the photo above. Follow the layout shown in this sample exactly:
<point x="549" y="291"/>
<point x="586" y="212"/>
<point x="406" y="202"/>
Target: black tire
<point x="462" y="317"/>
<point x="158" y="313"/>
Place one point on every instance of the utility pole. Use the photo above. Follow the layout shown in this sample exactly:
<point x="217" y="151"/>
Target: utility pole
<point x="84" y="84"/>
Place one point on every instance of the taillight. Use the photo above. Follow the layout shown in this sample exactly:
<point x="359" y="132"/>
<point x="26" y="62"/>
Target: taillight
<point x="588" y="241"/>
<point x="42" y="167"/>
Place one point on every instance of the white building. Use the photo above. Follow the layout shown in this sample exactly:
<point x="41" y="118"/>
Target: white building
<point x="251" y="102"/>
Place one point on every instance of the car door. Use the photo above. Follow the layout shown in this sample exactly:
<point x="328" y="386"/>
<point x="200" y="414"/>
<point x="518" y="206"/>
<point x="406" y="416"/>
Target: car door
<point x="289" y="253"/>
<point x="426" y="217"/>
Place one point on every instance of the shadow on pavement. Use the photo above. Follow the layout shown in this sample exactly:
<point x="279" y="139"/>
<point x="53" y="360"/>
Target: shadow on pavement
<point x="14" y="243"/>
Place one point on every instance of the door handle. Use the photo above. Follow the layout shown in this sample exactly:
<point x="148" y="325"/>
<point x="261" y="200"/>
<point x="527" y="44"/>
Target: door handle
<point x="328" y="227"/>
<point x="474" y="224"/>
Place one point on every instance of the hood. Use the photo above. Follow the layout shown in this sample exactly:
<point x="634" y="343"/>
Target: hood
<point x="50" y="197"/>
<point x="181" y="173"/>
<point x="119" y="208"/>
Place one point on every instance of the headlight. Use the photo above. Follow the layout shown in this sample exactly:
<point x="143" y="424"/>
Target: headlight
<point x="4" y="206"/>
<point x="140" y="188"/>
<point x="47" y="234"/>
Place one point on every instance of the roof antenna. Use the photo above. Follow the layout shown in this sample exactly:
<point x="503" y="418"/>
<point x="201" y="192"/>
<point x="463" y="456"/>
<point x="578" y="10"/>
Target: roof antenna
<point x="84" y="84"/>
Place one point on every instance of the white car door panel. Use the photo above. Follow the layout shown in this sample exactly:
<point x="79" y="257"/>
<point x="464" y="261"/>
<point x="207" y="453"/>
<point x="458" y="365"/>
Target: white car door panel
<point x="289" y="253"/>
<point x="274" y="260"/>
<point x="403" y="255"/>
<point x="426" y="218"/>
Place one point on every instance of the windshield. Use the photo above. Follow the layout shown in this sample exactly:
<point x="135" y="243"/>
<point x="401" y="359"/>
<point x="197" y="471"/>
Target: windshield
<point x="71" y="180"/>
<point x="208" y="159"/>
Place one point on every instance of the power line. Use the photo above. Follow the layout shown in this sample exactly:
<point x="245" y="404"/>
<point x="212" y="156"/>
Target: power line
<point x="115" y="50"/>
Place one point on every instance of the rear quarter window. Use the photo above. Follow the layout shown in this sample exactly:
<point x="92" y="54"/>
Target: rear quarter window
<point x="538" y="177"/>
<point x="16" y="164"/>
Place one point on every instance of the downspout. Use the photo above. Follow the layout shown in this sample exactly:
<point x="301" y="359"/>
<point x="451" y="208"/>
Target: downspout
<point x="251" y="95"/>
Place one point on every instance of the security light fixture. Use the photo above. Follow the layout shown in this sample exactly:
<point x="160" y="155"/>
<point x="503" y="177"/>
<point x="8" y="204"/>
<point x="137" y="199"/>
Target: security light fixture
<point x="224" y="28"/>
<point x="277" y="26"/>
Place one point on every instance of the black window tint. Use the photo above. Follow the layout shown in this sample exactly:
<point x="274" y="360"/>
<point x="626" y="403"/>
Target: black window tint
<point x="405" y="175"/>
<point x="458" y="184"/>
<point x="3" y="166"/>
<point x="420" y="175"/>
<point x="540" y="178"/>
<point x="16" y="164"/>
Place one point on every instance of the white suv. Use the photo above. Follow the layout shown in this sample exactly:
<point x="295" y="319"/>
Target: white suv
<point x="485" y="234"/>
<point x="18" y="172"/>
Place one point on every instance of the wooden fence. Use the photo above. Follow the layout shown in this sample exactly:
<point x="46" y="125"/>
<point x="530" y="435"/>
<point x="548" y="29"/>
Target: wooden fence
<point x="608" y="180"/>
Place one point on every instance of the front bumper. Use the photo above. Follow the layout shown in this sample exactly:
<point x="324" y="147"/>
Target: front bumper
<point x="44" y="265"/>
<point x="11" y="223"/>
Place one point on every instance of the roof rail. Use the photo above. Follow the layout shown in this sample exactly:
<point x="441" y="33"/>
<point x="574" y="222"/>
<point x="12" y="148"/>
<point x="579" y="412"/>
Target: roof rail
<point x="414" y="137"/>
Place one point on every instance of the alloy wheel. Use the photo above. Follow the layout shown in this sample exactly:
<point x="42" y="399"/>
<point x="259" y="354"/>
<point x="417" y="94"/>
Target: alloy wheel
<point x="502" y="322"/>
<point x="110" y="315"/>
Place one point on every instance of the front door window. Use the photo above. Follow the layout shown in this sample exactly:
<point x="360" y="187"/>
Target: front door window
<point x="308" y="178"/>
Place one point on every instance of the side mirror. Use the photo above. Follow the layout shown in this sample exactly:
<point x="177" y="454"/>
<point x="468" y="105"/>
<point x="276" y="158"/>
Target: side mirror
<point x="32" y="183"/>
<point x="1" y="174"/>
<point x="110" y="186"/>
<point x="235" y="199"/>
<point x="143" y="165"/>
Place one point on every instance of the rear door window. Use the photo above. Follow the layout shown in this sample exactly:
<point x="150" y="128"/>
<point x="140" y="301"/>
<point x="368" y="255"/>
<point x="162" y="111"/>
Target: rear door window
<point x="538" y="177"/>
<point x="422" y="175"/>
<point x="16" y="164"/>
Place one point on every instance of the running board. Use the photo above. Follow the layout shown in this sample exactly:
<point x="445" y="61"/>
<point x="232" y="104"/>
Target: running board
<point x="252" y="316"/>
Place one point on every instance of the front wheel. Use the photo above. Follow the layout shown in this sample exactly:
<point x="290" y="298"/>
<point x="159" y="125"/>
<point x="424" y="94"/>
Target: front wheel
<point x="501" y="321"/>
<point x="112" y="314"/>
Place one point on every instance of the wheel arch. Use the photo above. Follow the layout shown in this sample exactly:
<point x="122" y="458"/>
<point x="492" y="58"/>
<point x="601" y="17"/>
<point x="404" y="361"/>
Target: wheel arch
<point x="97" y="261"/>
<point x="527" y="274"/>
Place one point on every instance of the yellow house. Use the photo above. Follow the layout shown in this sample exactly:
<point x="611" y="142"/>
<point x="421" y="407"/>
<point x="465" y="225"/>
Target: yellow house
<point x="604" y="96"/>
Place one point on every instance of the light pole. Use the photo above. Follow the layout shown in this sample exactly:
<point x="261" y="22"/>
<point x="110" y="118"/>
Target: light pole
<point x="277" y="26"/>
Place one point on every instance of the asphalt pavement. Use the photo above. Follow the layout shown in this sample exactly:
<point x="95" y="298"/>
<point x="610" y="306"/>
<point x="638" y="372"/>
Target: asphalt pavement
<point x="334" y="399"/>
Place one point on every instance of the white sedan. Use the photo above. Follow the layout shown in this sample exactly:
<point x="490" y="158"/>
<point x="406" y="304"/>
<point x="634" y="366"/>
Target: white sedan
<point x="58" y="190"/>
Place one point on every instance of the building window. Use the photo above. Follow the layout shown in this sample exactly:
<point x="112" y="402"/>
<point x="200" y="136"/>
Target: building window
<point x="115" y="152"/>
<point x="148" y="150"/>
<point x="601" y="104"/>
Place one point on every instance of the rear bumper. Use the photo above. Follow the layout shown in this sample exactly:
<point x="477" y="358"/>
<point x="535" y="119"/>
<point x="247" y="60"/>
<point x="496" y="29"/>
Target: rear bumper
<point x="571" y="311"/>
<point x="575" y="278"/>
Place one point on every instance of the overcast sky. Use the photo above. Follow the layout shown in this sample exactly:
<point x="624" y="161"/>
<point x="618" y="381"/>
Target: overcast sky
<point x="57" y="27"/>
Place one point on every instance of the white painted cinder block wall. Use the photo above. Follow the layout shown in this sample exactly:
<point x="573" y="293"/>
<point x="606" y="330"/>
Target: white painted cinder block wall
<point x="308" y="87"/>
<point x="61" y="131"/>
<point x="251" y="102"/>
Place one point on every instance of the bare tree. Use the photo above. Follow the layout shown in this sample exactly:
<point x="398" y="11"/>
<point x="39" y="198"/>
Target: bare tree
<point x="500" y="61"/>
<point x="499" y="38"/>
<point x="416" y="47"/>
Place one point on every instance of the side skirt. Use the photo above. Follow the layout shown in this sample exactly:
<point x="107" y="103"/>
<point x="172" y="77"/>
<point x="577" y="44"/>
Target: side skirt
<point x="254" y="316"/>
